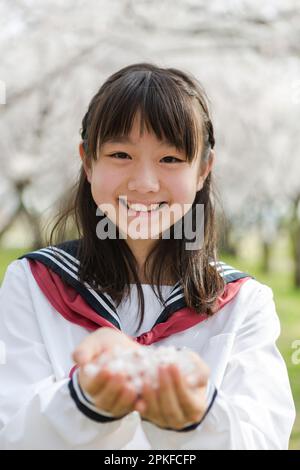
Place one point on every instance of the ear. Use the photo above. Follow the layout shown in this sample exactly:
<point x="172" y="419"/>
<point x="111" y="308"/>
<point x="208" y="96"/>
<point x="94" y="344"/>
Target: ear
<point x="85" y="164"/>
<point x="205" y="169"/>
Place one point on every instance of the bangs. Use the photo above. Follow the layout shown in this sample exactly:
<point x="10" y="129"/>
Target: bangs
<point x="165" y="109"/>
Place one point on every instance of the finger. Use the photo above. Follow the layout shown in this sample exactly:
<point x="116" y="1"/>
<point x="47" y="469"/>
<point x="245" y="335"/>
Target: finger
<point x="89" y="348"/>
<point x="93" y="385"/>
<point x="190" y="401"/>
<point x="167" y="397"/>
<point x="107" y="398"/>
<point x="125" y="401"/>
<point x="202" y="367"/>
<point x="148" y="404"/>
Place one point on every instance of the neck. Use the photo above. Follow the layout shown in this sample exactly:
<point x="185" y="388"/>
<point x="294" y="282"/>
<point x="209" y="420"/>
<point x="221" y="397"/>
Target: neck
<point x="140" y="250"/>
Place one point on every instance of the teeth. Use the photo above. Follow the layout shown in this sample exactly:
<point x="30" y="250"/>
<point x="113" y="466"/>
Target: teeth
<point x="142" y="208"/>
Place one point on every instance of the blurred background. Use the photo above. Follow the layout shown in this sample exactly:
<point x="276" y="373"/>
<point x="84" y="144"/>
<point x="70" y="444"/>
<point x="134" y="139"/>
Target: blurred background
<point x="246" y="53"/>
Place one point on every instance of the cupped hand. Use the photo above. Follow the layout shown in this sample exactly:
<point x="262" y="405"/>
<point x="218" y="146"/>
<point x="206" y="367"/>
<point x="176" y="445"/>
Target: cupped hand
<point x="175" y="404"/>
<point x="109" y="391"/>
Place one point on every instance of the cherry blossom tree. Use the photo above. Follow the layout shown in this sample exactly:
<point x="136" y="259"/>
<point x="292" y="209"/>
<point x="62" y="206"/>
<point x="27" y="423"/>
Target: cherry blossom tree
<point x="55" y="55"/>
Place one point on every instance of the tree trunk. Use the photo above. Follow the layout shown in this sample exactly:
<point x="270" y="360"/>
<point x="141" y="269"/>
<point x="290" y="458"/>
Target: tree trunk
<point x="266" y="246"/>
<point x="297" y="260"/>
<point x="295" y="239"/>
<point x="225" y="229"/>
<point x="295" y="236"/>
<point x="33" y="220"/>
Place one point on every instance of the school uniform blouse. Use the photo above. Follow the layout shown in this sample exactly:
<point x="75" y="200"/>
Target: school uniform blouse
<point x="252" y="409"/>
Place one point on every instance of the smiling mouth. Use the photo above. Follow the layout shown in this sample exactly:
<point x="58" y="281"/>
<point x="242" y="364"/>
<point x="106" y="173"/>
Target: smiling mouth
<point x="133" y="212"/>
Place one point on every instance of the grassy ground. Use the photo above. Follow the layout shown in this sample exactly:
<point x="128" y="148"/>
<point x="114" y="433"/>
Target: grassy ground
<point x="7" y="256"/>
<point x="287" y="300"/>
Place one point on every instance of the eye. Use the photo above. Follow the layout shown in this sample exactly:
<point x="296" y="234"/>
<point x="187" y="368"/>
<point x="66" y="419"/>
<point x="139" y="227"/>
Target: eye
<point x="115" y="155"/>
<point x="177" y="160"/>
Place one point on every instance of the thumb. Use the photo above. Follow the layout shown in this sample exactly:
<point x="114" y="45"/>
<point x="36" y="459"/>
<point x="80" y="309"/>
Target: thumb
<point x="90" y="347"/>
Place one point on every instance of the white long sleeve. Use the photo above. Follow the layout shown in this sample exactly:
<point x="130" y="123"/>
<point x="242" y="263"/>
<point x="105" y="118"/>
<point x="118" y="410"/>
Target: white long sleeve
<point x="36" y="409"/>
<point x="254" y="407"/>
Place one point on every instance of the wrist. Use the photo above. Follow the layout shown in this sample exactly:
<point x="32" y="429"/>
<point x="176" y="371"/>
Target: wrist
<point x="84" y="405"/>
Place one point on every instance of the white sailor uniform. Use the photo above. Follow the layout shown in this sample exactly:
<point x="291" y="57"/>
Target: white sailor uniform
<point x="250" y="404"/>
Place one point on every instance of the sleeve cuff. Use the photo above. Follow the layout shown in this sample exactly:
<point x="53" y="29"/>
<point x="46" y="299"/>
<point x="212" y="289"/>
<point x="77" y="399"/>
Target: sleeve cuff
<point x="84" y="402"/>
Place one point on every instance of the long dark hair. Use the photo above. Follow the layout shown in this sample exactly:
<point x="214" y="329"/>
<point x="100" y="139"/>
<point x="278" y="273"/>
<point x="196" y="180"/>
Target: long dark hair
<point x="174" y="106"/>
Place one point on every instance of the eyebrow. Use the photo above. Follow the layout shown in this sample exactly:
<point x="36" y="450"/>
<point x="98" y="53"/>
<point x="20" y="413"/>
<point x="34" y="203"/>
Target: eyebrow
<point x="126" y="140"/>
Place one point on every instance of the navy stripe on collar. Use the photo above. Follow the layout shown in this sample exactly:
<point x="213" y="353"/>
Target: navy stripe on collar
<point x="66" y="266"/>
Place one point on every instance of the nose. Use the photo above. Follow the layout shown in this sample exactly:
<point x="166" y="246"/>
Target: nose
<point x="143" y="179"/>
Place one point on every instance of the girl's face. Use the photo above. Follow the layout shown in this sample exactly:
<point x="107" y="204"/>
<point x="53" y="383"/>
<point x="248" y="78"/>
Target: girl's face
<point x="141" y="169"/>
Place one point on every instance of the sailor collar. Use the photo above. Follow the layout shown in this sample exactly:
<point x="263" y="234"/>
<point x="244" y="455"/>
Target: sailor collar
<point x="63" y="260"/>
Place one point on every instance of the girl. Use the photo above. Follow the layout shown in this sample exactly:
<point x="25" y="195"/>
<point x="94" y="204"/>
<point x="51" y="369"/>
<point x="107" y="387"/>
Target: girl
<point x="129" y="279"/>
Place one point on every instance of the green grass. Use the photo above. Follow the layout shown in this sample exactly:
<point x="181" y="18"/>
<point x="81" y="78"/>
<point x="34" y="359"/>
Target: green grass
<point x="287" y="300"/>
<point x="7" y="256"/>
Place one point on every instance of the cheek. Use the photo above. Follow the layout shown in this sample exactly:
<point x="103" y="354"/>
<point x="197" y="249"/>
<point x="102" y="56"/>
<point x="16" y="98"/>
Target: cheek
<point x="184" y="189"/>
<point x="104" y="185"/>
<point x="183" y="193"/>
